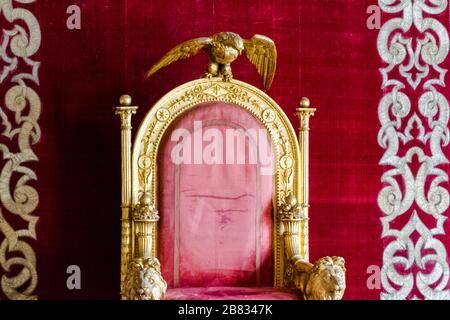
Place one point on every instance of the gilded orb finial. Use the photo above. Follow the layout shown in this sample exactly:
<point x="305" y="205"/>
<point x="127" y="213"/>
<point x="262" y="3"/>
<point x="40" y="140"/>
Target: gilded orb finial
<point x="125" y="100"/>
<point x="305" y="103"/>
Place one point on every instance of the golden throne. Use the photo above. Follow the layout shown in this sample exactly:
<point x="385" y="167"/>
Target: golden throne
<point x="215" y="228"/>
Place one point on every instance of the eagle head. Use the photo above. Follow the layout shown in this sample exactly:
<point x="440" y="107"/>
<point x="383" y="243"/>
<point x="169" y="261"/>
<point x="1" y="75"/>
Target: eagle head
<point x="228" y="39"/>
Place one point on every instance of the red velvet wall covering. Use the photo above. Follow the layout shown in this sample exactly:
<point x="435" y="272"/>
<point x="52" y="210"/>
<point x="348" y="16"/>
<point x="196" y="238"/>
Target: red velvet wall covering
<point x="325" y="52"/>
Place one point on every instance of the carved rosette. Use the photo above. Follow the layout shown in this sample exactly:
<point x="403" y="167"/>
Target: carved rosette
<point x="144" y="281"/>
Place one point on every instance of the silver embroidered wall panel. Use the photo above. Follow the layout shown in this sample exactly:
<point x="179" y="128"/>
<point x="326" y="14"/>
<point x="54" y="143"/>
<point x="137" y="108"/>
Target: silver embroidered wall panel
<point x="20" y="108"/>
<point x="413" y="44"/>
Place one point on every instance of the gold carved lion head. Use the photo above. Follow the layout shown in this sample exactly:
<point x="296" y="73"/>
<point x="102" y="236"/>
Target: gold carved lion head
<point x="326" y="280"/>
<point x="144" y="281"/>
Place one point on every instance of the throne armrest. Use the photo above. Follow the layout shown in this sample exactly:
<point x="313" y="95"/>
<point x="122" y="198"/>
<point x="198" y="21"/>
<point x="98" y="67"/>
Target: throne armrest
<point x="323" y="280"/>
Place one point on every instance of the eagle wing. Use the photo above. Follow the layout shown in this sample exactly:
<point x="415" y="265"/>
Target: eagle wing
<point x="184" y="50"/>
<point x="261" y="51"/>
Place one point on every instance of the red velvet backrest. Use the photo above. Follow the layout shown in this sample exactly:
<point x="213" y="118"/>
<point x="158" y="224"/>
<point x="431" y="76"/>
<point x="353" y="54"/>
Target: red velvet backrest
<point x="215" y="168"/>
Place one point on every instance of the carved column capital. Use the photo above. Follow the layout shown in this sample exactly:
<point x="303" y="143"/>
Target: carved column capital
<point x="125" y="114"/>
<point x="125" y="111"/>
<point x="304" y="113"/>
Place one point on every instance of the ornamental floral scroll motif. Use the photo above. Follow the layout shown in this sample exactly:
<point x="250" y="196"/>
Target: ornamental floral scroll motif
<point x="414" y="200"/>
<point x="19" y="112"/>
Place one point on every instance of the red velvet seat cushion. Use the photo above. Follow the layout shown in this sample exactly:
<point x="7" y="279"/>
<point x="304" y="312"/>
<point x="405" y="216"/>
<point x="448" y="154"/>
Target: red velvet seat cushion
<point x="230" y="293"/>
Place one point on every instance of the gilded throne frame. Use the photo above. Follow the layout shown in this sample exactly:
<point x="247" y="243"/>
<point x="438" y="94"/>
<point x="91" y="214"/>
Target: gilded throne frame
<point x="292" y="268"/>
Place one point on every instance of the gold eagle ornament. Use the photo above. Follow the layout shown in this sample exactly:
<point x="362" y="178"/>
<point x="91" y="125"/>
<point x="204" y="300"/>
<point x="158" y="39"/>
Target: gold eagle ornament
<point x="222" y="49"/>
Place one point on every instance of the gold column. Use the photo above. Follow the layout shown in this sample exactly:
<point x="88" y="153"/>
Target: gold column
<point x="125" y="111"/>
<point x="304" y="113"/>
<point x="143" y="242"/>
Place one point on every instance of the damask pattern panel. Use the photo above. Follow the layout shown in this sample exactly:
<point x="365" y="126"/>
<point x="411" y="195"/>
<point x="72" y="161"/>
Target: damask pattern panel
<point x="414" y="114"/>
<point x="19" y="112"/>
